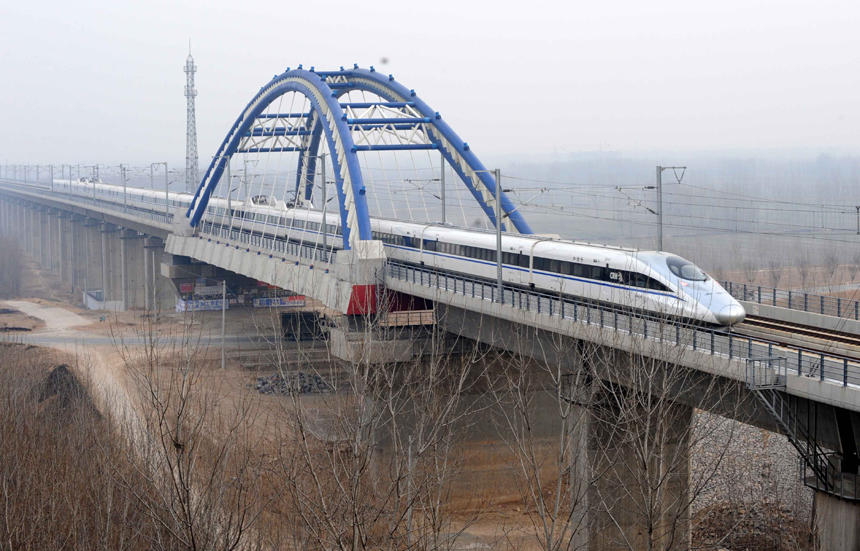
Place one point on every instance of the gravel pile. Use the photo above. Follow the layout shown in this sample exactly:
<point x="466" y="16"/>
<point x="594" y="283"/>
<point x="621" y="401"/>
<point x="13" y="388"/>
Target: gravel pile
<point x="298" y="382"/>
<point x="756" y="486"/>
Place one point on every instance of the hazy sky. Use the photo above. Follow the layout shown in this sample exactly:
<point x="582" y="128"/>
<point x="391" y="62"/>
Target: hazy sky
<point x="89" y="81"/>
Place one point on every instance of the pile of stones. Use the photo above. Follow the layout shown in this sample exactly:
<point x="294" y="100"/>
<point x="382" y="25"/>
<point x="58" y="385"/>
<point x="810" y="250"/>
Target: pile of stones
<point x="295" y="382"/>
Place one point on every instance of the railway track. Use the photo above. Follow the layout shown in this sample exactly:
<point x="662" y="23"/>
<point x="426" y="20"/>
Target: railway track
<point x="797" y="330"/>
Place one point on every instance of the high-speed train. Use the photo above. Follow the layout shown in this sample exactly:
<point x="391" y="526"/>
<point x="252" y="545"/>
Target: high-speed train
<point x="648" y="281"/>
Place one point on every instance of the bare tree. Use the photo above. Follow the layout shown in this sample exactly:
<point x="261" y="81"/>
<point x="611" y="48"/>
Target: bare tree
<point x="198" y="468"/>
<point x="830" y="265"/>
<point x="544" y="423"/>
<point x="645" y="435"/>
<point x="854" y="266"/>
<point x="774" y="273"/>
<point x="804" y="269"/>
<point x="369" y="460"/>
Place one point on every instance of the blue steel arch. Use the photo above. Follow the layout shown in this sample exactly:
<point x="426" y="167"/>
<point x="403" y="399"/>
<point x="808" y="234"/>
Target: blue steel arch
<point x="352" y="199"/>
<point x="354" y="213"/>
<point x="458" y="154"/>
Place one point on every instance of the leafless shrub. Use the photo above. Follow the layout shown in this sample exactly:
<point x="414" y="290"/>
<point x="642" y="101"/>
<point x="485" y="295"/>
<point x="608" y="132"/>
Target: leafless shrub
<point x="56" y="488"/>
<point x="854" y="266"/>
<point x="198" y="468"/>
<point x="750" y="271"/>
<point x="774" y="272"/>
<point x="373" y="464"/>
<point x="804" y="269"/>
<point x="830" y="265"/>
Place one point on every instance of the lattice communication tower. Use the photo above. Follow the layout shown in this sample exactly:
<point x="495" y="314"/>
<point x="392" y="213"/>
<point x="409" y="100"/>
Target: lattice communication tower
<point x="191" y="179"/>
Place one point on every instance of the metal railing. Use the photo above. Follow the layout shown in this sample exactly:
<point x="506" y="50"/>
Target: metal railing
<point x="799" y="362"/>
<point x="152" y="215"/>
<point x="314" y="253"/>
<point x="822" y="469"/>
<point x="795" y="300"/>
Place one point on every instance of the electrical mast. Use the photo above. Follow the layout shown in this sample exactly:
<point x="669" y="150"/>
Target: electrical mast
<point x="191" y="181"/>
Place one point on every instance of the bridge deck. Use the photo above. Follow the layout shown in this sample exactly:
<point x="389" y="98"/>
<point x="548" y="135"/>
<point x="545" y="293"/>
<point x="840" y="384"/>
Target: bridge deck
<point x="814" y="375"/>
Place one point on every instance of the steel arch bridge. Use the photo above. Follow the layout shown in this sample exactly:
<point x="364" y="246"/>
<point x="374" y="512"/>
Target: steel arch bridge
<point x="400" y="121"/>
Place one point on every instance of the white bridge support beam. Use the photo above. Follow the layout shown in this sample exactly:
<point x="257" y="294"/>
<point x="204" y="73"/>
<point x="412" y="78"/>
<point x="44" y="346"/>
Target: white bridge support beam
<point x="351" y="279"/>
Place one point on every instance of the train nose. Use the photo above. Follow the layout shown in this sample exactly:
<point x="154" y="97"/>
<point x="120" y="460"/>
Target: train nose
<point x="731" y="315"/>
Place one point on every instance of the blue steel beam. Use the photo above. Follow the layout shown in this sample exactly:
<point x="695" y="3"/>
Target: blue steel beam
<point x="277" y="132"/>
<point x="405" y="120"/>
<point x="318" y="93"/>
<point x="283" y="115"/>
<point x="395" y="147"/>
<point x="392" y="90"/>
<point x="378" y="104"/>
<point x="269" y="150"/>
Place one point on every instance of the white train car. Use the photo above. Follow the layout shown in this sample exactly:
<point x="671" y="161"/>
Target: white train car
<point x="648" y="281"/>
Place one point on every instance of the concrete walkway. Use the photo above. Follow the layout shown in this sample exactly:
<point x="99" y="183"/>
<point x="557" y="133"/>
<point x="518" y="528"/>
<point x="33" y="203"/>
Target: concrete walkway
<point x="55" y="318"/>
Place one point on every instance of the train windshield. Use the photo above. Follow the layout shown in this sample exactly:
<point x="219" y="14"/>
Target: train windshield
<point x="685" y="269"/>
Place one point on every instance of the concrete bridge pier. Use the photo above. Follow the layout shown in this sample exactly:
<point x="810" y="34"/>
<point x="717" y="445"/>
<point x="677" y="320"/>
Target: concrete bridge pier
<point x="30" y="231"/>
<point x="623" y="510"/>
<point x="107" y="259"/>
<point x="51" y="233"/>
<point x="62" y="243"/>
<point x="132" y="268"/>
<point x="7" y="216"/>
<point x="40" y="225"/>
<point x="77" y="249"/>
<point x="837" y="522"/>
<point x="163" y="293"/>
<point x="92" y="255"/>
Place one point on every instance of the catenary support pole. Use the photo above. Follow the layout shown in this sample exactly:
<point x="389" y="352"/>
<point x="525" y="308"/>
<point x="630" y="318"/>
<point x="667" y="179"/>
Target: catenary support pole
<point x="124" y="189"/>
<point x="499" y="234"/>
<point x="659" y="208"/>
<point x="223" y="324"/>
<point x="324" y="227"/>
<point x="442" y="188"/>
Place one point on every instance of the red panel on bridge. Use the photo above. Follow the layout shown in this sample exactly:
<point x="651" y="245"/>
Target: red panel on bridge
<point x="363" y="300"/>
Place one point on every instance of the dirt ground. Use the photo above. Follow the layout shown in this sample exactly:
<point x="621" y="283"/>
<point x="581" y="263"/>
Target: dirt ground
<point x="14" y="321"/>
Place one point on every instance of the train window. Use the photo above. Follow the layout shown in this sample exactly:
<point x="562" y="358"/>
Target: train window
<point x="429" y="245"/>
<point x="299" y="224"/>
<point x="598" y="273"/>
<point x="313" y="226"/>
<point x="339" y="230"/>
<point x="555" y="266"/>
<point x="685" y="269"/>
<point x="656" y="285"/>
<point x="261" y="218"/>
<point x="524" y="260"/>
